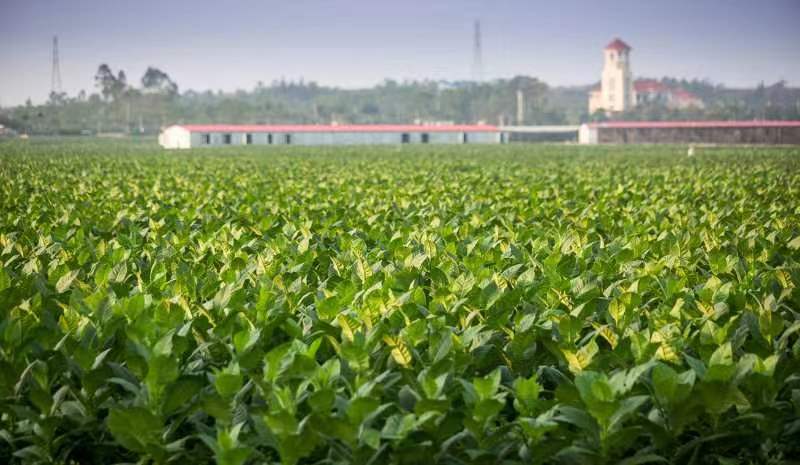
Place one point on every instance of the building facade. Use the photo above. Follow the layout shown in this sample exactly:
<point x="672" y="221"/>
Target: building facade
<point x="615" y="93"/>
<point x="186" y="136"/>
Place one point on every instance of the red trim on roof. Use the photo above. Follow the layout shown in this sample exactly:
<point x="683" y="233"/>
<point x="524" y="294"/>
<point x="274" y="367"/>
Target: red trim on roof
<point x="618" y="45"/>
<point x="337" y="128"/>
<point x="695" y="124"/>
<point x="649" y="85"/>
<point x="682" y="94"/>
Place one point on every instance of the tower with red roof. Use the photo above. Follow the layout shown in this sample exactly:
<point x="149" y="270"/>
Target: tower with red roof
<point x="615" y="93"/>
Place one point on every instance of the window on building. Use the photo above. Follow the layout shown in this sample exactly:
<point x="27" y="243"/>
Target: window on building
<point x="269" y="138"/>
<point x="227" y="139"/>
<point x="405" y="138"/>
<point x="426" y="137"/>
<point x="610" y="97"/>
<point x="205" y="139"/>
<point x="287" y="139"/>
<point x="611" y="83"/>
<point x="248" y="139"/>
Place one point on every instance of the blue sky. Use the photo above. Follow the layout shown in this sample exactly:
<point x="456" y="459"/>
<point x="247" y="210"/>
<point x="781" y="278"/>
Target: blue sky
<point x="232" y="45"/>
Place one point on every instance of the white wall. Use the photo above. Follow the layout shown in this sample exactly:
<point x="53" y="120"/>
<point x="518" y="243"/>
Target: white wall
<point x="587" y="135"/>
<point x="175" y="137"/>
<point x="617" y="81"/>
<point x="195" y="139"/>
<point x="616" y="84"/>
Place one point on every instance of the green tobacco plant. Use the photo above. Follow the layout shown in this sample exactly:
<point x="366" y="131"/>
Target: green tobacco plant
<point x="510" y="304"/>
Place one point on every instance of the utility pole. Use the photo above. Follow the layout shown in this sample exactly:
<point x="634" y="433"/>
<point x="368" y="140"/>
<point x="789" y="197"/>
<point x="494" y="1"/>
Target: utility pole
<point x="128" y="115"/>
<point x="477" y="54"/>
<point x="55" y="74"/>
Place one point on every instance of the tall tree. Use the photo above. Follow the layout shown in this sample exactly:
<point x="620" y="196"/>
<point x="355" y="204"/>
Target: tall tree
<point x="111" y="86"/>
<point x="156" y="81"/>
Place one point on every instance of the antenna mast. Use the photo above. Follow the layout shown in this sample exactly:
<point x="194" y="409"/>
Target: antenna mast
<point x="477" y="54"/>
<point x="55" y="76"/>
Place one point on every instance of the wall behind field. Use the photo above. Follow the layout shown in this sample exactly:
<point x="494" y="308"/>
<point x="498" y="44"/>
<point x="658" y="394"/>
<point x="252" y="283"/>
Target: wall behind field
<point x="699" y="135"/>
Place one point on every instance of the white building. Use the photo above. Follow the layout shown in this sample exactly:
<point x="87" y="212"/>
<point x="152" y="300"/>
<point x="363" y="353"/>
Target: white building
<point x="616" y="84"/>
<point x="184" y="136"/>
<point x="618" y="92"/>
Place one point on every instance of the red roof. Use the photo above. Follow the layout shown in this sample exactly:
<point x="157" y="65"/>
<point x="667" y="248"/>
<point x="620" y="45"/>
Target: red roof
<point x="651" y="86"/>
<point x="618" y="45"/>
<point x="338" y="128"/>
<point x="682" y="94"/>
<point x="695" y="124"/>
<point x="648" y="86"/>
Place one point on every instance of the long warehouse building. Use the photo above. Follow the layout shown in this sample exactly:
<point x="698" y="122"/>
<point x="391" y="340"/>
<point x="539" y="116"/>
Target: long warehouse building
<point x="184" y="136"/>
<point x="701" y="132"/>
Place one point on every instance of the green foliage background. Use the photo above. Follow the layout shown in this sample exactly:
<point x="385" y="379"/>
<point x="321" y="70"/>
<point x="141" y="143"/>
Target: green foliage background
<point x="122" y="107"/>
<point x="470" y="305"/>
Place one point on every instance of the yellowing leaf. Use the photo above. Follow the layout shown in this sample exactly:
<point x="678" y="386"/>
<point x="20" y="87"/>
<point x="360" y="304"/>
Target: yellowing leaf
<point x="348" y="325"/>
<point x="617" y="311"/>
<point x="400" y="352"/>
<point x="667" y="353"/>
<point x="65" y="281"/>
<point x="609" y="335"/>
<point x="581" y="359"/>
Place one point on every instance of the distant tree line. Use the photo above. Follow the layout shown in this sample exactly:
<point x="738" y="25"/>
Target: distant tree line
<point x="118" y="106"/>
<point x="155" y="100"/>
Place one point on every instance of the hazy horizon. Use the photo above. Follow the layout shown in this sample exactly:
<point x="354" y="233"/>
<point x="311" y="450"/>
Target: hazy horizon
<point x="353" y="44"/>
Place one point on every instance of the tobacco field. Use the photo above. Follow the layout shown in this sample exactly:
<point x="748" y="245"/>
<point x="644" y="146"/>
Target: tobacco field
<point x="451" y="305"/>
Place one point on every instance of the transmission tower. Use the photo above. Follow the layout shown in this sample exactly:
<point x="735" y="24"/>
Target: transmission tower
<point x="477" y="54"/>
<point x="55" y="76"/>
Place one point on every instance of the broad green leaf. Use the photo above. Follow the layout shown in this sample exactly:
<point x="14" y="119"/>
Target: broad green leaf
<point x="487" y="386"/>
<point x="228" y="381"/>
<point x="665" y="382"/>
<point x="526" y="393"/>
<point x="135" y="428"/>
